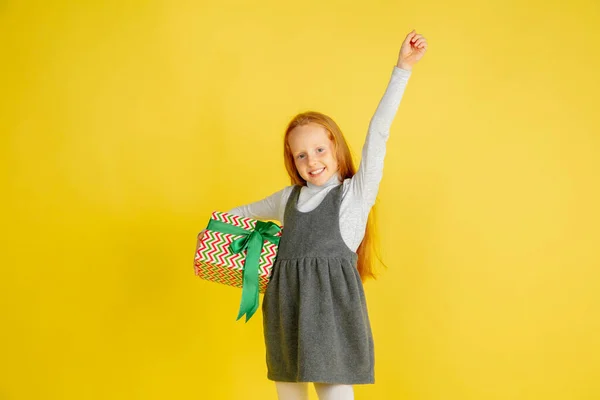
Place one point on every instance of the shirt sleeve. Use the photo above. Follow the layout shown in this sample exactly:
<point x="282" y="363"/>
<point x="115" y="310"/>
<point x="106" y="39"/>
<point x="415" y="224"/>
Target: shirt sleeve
<point x="364" y="184"/>
<point x="269" y="208"/>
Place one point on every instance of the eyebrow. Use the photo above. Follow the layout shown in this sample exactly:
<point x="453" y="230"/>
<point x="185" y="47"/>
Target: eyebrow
<point x="317" y="146"/>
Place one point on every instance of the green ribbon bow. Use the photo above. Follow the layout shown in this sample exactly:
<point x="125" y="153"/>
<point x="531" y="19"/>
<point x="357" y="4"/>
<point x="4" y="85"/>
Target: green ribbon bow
<point x="252" y="240"/>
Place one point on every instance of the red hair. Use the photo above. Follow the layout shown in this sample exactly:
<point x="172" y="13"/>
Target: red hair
<point x="367" y="250"/>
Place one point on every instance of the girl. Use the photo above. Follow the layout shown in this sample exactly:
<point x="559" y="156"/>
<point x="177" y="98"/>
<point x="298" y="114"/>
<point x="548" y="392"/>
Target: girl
<point x="316" y="325"/>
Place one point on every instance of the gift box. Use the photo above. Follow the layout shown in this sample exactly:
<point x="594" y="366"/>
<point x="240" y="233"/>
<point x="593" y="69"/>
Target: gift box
<point x="239" y="252"/>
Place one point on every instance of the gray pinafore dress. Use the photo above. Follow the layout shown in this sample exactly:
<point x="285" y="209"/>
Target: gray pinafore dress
<point x="316" y="324"/>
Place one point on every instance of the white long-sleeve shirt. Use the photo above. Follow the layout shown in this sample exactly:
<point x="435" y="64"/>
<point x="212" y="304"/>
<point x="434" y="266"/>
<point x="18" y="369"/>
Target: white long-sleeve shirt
<point x="360" y="191"/>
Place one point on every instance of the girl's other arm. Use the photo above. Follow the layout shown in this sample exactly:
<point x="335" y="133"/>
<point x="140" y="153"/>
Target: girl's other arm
<point x="269" y="208"/>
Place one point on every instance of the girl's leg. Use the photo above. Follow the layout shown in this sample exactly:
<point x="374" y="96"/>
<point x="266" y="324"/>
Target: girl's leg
<point x="292" y="390"/>
<point x="334" y="392"/>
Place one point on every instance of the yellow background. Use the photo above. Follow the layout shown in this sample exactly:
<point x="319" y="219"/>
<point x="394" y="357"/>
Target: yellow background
<point x="125" y="123"/>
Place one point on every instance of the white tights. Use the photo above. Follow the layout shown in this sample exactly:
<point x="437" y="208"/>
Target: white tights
<point x="299" y="391"/>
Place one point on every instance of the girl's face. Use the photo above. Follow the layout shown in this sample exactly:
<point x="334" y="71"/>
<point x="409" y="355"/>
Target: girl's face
<point x="313" y="152"/>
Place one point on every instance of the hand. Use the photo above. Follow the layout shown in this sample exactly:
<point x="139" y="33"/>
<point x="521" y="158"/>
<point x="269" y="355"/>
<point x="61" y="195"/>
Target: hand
<point x="200" y="237"/>
<point x="412" y="50"/>
<point x="198" y="243"/>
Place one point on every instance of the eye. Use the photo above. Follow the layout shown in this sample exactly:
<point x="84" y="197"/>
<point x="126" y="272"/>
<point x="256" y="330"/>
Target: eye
<point x="300" y="156"/>
<point x="321" y="149"/>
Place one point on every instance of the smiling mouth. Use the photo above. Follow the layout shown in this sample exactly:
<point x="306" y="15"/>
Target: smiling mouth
<point x="316" y="172"/>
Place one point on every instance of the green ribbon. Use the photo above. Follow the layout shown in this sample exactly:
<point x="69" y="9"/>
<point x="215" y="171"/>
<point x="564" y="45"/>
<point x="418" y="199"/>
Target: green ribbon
<point x="252" y="240"/>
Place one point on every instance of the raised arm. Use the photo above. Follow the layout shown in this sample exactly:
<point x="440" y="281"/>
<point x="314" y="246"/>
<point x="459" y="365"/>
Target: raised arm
<point x="365" y="184"/>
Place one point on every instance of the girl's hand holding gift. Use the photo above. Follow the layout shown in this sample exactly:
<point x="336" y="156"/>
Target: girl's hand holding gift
<point x="198" y="241"/>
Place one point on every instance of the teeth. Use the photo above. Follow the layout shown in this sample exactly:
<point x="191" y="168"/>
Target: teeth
<point x="317" y="171"/>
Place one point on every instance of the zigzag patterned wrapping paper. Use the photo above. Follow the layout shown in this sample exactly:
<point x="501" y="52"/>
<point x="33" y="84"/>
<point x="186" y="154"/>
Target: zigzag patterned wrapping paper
<point x="215" y="262"/>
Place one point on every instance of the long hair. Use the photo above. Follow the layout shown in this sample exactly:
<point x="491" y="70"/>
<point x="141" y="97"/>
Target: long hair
<point x="367" y="250"/>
